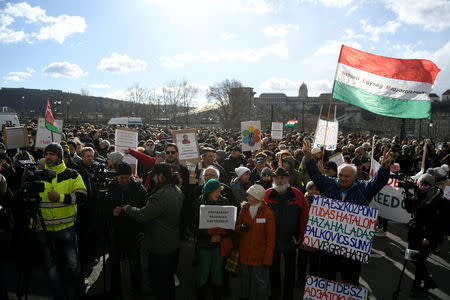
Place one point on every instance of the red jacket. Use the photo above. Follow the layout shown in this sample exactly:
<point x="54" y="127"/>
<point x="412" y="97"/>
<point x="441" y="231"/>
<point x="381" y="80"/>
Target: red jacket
<point x="256" y="246"/>
<point x="143" y="158"/>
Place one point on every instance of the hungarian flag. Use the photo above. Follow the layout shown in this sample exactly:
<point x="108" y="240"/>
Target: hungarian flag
<point x="386" y="86"/>
<point x="291" y="123"/>
<point x="49" y="120"/>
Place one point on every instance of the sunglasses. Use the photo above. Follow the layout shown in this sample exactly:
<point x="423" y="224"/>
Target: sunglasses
<point x="171" y="152"/>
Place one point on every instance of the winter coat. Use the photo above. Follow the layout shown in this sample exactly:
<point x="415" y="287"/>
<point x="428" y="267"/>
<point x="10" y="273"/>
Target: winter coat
<point x="291" y="215"/>
<point x="239" y="192"/>
<point x="125" y="228"/>
<point x="361" y="192"/>
<point x="161" y="216"/>
<point x="256" y="246"/>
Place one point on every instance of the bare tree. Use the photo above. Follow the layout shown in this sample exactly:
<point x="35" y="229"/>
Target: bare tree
<point x="171" y="96"/>
<point x="138" y="94"/>
<point x="220" y="93"/>
<point x="84" y="92"/>
<point x="187" y="93"/>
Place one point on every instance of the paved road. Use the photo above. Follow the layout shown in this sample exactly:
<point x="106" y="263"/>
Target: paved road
<point x="380" y="276"/>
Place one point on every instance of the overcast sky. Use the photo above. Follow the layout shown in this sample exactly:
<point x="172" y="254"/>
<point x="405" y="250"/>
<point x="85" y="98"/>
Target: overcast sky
<point x="273" y="46"/>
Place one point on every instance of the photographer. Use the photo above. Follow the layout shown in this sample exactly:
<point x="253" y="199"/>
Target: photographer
<point x="127" y="233"/>
<point x="59" y="210"/>
<point x="424" y="229"/>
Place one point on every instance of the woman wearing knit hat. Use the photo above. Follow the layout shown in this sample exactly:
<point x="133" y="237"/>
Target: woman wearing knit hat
<point x="239" y="185"/>
<point x="256" y="225"/>
<point x="212" y="244"/>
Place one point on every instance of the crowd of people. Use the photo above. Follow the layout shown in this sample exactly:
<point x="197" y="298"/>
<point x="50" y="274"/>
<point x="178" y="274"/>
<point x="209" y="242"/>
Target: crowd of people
<point x="93" y="202"/>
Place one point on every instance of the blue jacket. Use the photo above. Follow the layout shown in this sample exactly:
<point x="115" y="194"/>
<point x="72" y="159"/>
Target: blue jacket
<point x="361" y="192"/>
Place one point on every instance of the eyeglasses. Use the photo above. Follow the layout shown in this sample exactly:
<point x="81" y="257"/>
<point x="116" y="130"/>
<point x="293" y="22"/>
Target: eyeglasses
<point x="171" y="152"/>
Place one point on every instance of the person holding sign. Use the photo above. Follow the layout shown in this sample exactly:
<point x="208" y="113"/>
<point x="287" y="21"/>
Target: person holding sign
<point x="212" y="244"/>
<point x="347" y="188"/>
<point x="256" y="225"/>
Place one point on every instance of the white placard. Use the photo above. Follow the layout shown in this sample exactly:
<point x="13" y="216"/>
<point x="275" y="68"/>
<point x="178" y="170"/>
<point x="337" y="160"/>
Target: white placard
<point x="390" y="200"/>
<point x="338" y="158"/>
<point x="212" y="216"/>
<point x="15" y="137"/>
<point x="127" y="138"/>
<point x="44" y="136"/>
<point x="251" y="135"/>
<point x="319" y="289"/>
<point x="186" y="141"/>
<point x="332" y="134"/>
<point x="277" y="126"/>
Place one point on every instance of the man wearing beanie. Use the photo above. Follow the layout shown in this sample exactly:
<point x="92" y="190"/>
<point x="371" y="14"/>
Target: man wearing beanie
<point x="291" y="215"/>
<point x="256" y="227"/>
<point x="59" y="210"/>
<point x="126" y="232"/>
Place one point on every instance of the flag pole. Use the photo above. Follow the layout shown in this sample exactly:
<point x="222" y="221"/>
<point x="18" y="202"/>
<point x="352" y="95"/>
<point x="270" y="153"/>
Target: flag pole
<point x="329" y="108"/>
<point x="422" y="167"/>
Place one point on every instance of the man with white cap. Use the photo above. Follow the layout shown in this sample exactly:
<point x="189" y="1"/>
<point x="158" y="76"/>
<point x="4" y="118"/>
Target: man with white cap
<point x="256" y="225"/>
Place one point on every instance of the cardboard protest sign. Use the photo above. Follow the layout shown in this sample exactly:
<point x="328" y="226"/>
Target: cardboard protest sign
<point x="127" y="138"/>
<point x="186" y="141"/>
<point x="15" y="137"/>
<point x="251" y="135"/>
<point x="319" y="288"/>
<point x="331" y="135"/>
<point x="390" y="200"/>
<point x="212" y="216"/>
<point x="341" y="228"/>
<point x="277" y="131"/>
<point x="338" y="158"/>
<point x="44" y="136"/>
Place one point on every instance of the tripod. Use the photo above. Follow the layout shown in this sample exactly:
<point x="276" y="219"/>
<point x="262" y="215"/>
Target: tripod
<point x="35" y="215"/>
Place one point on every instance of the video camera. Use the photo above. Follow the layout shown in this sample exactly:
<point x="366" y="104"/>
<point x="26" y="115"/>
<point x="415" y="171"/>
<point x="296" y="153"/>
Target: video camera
<point x="410" y="190"/>
<point x="32" y="180"/>
<point x="102" y="175"/>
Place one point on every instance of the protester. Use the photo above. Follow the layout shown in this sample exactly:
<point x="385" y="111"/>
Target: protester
<point x="256" y="224"/>
<point x="212" y="244"/>
<point x="291" y="215"/>
<point x="347" y="188"/>
<point x="239" y="185"/>
<point x="161" y="216"/>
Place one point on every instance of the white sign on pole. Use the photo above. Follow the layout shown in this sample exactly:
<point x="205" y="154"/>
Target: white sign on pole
<point x="251" y="135"/>
<point x="390" y="200"/>
<point x="44" y="136"/>
<point x="331" y="132"/>
<point x="277" y="131"/>
<point x="127" y="138"/>
<point x="186" y="141"/>
<point x="212" y="216"/>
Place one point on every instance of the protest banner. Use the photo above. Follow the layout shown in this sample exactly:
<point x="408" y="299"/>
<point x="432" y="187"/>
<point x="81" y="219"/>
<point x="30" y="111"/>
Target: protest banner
<point x="15" y="137"/>
<point x="331" y="134"/>
<point x="186" y="141"/>
<point x="338" y="158"/>
<point x="212" y="216"/>
<point x="44" y="136"/>
<point x="127" y="138"/>
<point x="251" y="135"/>
<point x="277" y="131"/>
<point x="319" y="288"/>
<point x="390" y="200"/>
<point x="341" y="228"/>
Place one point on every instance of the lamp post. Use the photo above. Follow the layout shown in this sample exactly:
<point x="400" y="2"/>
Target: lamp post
<point x="69" y="101"/>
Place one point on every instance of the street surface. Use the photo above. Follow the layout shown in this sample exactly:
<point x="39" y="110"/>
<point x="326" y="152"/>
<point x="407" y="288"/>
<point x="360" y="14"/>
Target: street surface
<point x="380" y="276"/>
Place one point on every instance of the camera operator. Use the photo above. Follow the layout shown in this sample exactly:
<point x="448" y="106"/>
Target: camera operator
<point x="127" y="233"/>
<point x="424" y="229"/>
<point x="59" y="210"/>
<point x="6" y="168"/>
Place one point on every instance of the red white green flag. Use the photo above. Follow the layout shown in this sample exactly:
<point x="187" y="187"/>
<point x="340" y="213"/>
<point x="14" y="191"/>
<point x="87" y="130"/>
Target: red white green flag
<point x="383" y="85"/>
<point x="291" y="123"/>
<point x="49" y="120"/>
